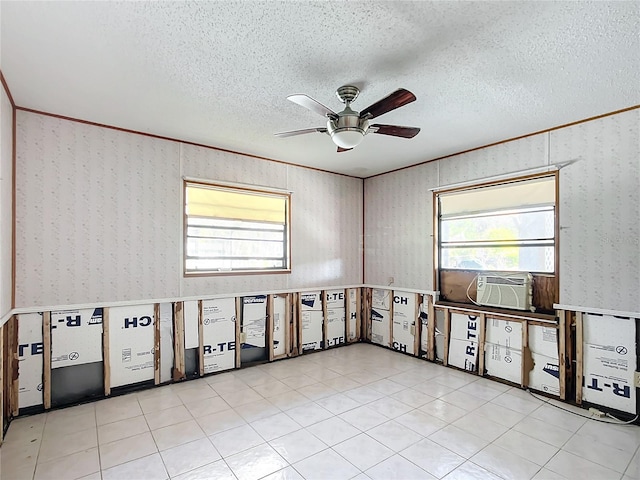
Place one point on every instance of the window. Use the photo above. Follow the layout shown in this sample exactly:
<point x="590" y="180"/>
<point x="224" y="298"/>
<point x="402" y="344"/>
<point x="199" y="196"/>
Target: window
<point x="505" y="227"/>
<point x="233" y="229"/>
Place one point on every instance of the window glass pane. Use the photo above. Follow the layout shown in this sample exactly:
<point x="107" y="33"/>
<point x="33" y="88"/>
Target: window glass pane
<point x="212" y="247"/>
<point x="239" y="234"/>
<point x="499" y="227"/>
<point x="235" y="264"/>
<point x="512" y="258"/>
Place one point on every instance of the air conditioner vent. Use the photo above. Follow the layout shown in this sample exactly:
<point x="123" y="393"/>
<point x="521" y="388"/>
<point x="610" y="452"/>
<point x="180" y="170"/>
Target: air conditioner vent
<point x="507" y="290"/>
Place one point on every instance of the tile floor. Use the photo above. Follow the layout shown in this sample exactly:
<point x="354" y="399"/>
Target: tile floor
<point x="354" y="412"/>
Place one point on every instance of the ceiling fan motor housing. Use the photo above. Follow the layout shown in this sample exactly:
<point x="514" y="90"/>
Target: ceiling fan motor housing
<point x="347" y="129"/>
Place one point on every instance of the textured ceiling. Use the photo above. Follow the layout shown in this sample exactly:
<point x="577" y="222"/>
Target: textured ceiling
<point x="218" y="73"/>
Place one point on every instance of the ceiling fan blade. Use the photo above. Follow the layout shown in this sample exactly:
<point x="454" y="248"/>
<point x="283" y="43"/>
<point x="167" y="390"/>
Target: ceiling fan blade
<point x="307" y="102"/>
<point x="394" y="130"/>
<point x="301" y="132"/>
<point x="395" y="100"/>
<point x="340" y="149"/>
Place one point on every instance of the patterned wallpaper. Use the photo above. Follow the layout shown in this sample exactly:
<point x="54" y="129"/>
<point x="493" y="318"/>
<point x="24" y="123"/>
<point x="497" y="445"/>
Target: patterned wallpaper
<point x="96" y="214"/>
<point x="399" y="227"/>
<point x="6" y="166"/>
<point x="99" y="216"/>
<point x="600" y="212"/>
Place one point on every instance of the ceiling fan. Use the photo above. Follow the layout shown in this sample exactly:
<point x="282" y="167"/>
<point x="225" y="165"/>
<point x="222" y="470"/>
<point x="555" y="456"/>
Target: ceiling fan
<point x="347" y="128"/>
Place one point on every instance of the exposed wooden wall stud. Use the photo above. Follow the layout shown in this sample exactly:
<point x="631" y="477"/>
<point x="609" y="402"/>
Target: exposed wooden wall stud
<point x="105" y="352"/>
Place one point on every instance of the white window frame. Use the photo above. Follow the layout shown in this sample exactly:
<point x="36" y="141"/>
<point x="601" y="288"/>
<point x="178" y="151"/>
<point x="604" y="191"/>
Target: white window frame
<point x="243" y="190"/>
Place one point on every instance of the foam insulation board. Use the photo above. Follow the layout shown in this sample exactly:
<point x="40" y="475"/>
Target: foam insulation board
<point x="334" y="298"/>
<point x="609" y="361"/>
<point x="463" y="354"/>
<point x="254" y="321"/>
<point x="190" y="315"/>
<point x="131" y="344"/>
<point x="380" y="299"/>
<point x="465" y="327"/>
<point x="335" y="326"/>
<point x="312" y="330"/>
<point x="30" y="359"/>
<point x="353" y="313"/>
<point x="219" y="334"/>
<point x="279" y="325"/>
<point x="504" y="332"/>
<point x="544" y="341"/>
<point x="545" y="375"/>
<point x="76" y="337"/>
<point x="166" y="341"/>
<point x="404" y="321"/>
<point x="311" y="301"/>
<point x="380" y="327"/>
<point x="503" y="362"/>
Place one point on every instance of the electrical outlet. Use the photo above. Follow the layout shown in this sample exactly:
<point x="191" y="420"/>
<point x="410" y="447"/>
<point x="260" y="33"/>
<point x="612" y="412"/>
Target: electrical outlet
<point x="636" y="379"/>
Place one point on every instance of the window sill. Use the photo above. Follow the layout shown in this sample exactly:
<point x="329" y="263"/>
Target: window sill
<point x="498" y="311"/>
<point x="217" y="273"/>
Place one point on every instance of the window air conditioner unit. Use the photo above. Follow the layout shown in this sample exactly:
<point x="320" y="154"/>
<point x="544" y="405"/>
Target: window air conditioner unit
<point x="505" y="289"/>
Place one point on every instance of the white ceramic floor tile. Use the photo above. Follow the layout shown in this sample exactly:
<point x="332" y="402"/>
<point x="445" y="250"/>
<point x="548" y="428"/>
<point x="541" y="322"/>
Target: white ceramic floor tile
<point x="394" y="435"/>
<point x="288" y="400"/>
<point x="397" y="468"/>
<point x="219" y="422"/>
<point x="297" y="445"/>
<point x="146" y="468"/>
<point x="118" y="408"/>
<point x="317" y="391"/>
<point x="499" y="414"/>
<point x="386" y="386"/>
<point x="275" y="387"/>
<point x="206" y="406"/>
<point x="543" y="431"/>
<point x="122" y="429"/>
<point x="624" y="437"/>
<point x="558" y="418"/>
<point x="463" y="400"/>
<point x="239" y="398"/>
<point x="342" y="384"/>
<point x="633" y="470"/>
<point x="62" y="425"/>
<point x="412" y="397"/>
<point x="174" y="435"/>
<point x="471" y="471"/>
<point x="481" y="391"/>
<point x="298" y="381"/>
<point x="458" y="441"/>
<point x="338" y="403"/>
<point x="212" y="471"/>
<point x="526" y="447"/>
<point x="364" y="394"/>
<point x="516" y="403"/>
<point x="604" y="455"/>
<point x="421" y="423"/>
<point x="198" y="392"/>
<point x="480" y="426"/>
<point x="574" y="467"/>
<point x="333" y="430"/>
<point x="236" y="440"/>
<point x="73" y="466"/>
<point x="92" y="476"/>
<point x="363" y="418"/>
<point x="432" y="389"/>
<point x="362" y="451"/>
<point x="275" y="426"/>
<point x="257" y="410"/>
<point x="189" y="456"/>
<point x="443" y="410"/>
<point x="288" y="473"/>
<point x="167" y="417"/>
<point x="433" y="458"/>
<point x="309" y="414"/>
<point x="257" y="462"/>
<point x="55" y="447"/>
<point x="326" y="465"/>
<point x="157" y="403"/>
<point x="546" y="474"/>
<point x="504" y="464"/>
<point x="127" y="449"/>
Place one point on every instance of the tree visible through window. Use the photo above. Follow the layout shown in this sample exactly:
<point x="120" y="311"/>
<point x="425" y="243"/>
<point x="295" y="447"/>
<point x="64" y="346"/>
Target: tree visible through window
<point x="506" y="227"/>
<point x="231" y="229"/>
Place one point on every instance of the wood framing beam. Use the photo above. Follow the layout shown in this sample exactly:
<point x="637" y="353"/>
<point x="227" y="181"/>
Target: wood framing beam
<point x="482" y="321"/>
<point x="325" y="320"/>
<point x="562" y="359"/>
<point x="238" y="331"/>
<point x="447" y="329"/>
<point x="431" y="329"/>
<point x="200" y="339"/>
<point x="417" y="325"/>
<point x="106" y="361"/>
<point x="46" y="360"/>
<point x="269" y="326"/>
<point x="156" y="344"/>
<point x="178" y="371"/>
<point x="579" y="352"/>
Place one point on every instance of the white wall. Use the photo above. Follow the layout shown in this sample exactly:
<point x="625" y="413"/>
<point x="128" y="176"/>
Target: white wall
<point x="99" y="216"/>
<point x="599" y="210"/>
<point x="6" y="198"/>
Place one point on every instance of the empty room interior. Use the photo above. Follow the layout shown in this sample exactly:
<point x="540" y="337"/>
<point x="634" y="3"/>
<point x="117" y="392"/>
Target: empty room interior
<point x="319" y="240"/>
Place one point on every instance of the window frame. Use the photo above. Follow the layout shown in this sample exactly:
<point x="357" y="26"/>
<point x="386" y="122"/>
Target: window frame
<point x="241" y="189"/>
<point x="438" y="269"/>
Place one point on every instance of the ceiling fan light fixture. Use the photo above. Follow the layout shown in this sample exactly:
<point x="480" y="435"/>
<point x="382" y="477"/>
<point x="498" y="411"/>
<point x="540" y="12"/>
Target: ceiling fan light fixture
<point x="347" y="137"/>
